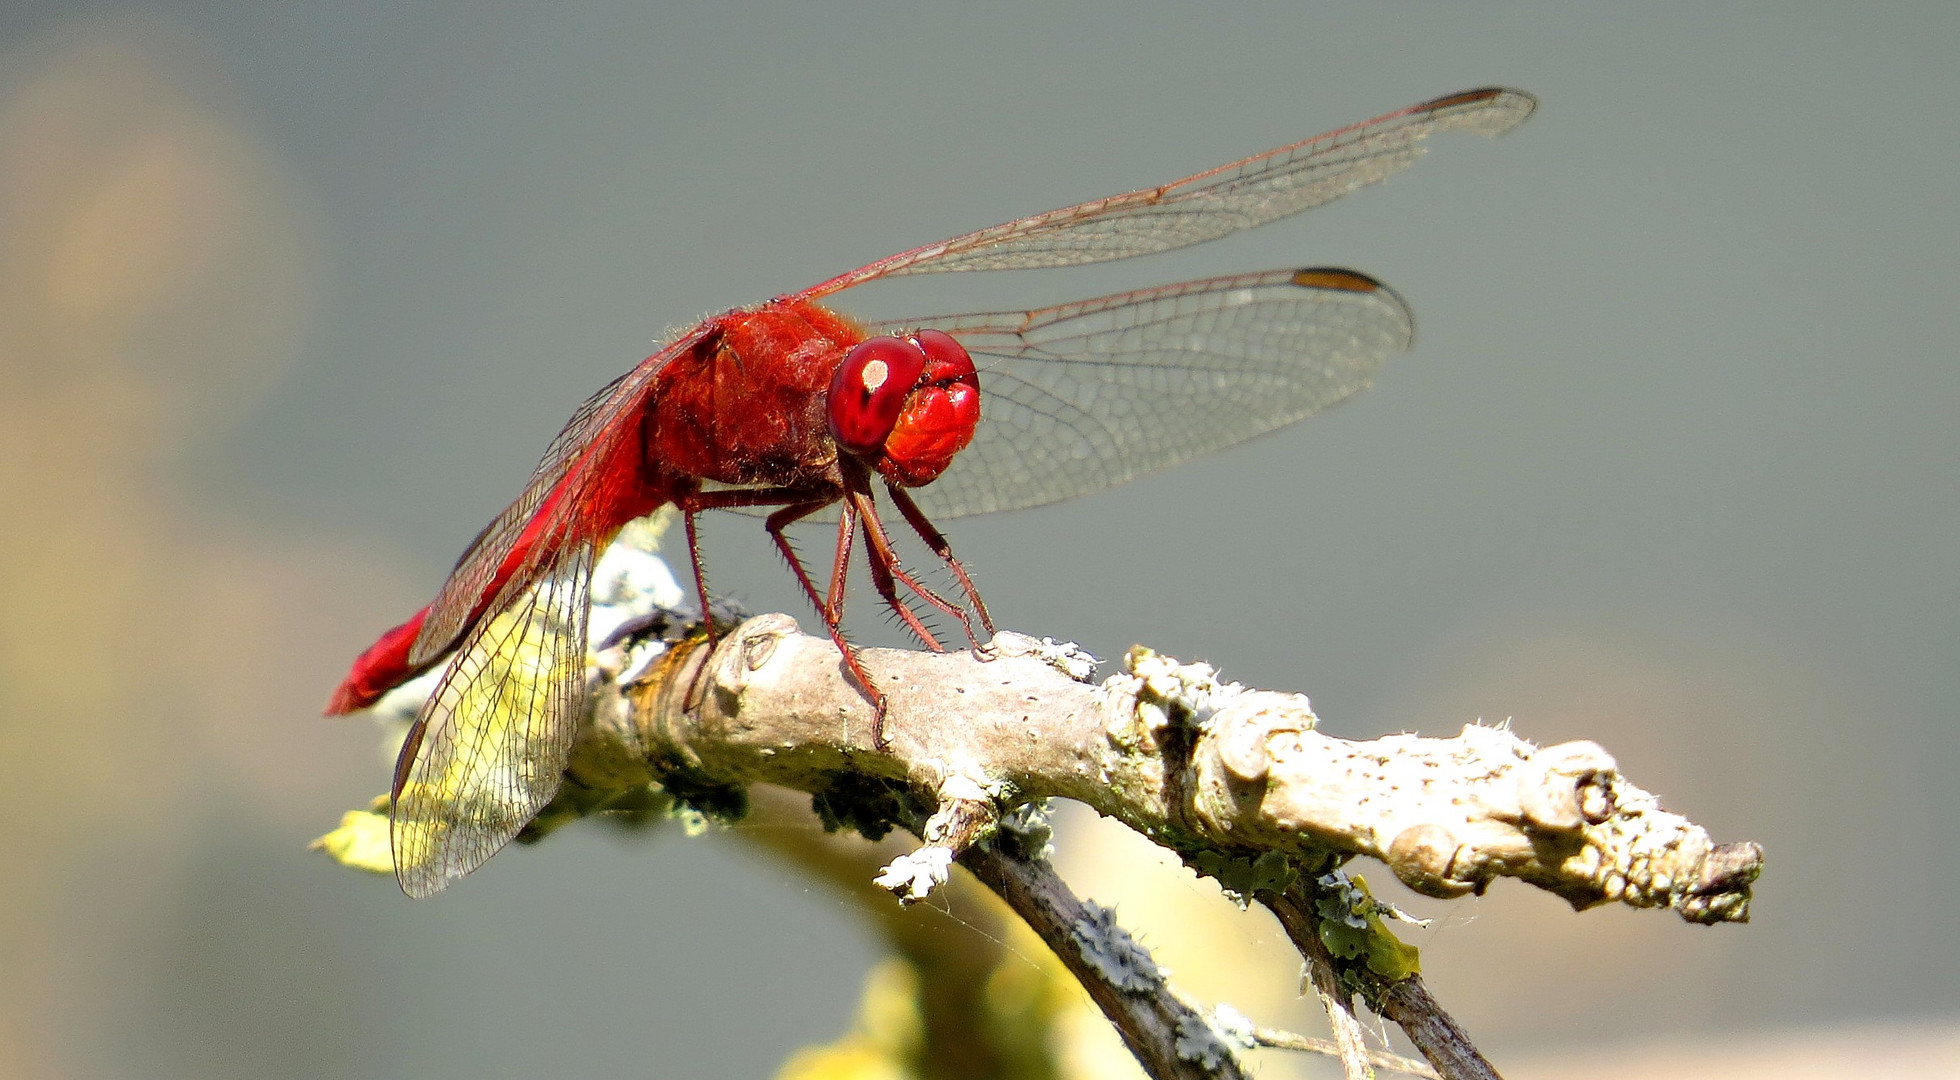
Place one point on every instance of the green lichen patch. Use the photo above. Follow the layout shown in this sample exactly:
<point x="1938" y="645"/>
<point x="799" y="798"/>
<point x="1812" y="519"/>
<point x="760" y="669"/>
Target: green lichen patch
<point x="1351" y="928"/>
<point x="1244" y="876"/>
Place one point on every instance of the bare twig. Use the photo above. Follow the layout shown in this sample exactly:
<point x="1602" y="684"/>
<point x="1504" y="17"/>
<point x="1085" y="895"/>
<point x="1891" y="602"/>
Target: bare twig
<point x="1350" y="1042"/>
<point x="1380" y="1059"/>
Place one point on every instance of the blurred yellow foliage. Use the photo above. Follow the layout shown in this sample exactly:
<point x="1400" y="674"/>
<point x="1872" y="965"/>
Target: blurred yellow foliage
<point x="361" y="842"/>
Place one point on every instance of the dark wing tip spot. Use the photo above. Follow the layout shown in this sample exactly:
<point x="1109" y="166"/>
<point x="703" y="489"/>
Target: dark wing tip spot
<point x="1340" y="279"/>
<point x="1324" y="277"/>
<point x="1515" y="105"/>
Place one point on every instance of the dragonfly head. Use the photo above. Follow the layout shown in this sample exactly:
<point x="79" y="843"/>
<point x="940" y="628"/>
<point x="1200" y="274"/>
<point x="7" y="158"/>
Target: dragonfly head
<point x="905" y="405"/>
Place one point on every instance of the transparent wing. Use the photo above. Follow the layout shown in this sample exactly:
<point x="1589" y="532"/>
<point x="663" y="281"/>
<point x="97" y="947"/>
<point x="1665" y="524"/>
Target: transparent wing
<point x="489" y="748"/>
<point x="1088" y="395"/>
<point x="1214" y="203"/>
<point x="1239" y="195"/>
<point x="514" y="546"/>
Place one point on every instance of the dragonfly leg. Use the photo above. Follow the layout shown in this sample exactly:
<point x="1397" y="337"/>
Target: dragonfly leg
<point x="797" y="504"/>
<point x="809" y="501"/>
<point x="881" y="561"/>
<point x="688" y="512"/>
<point x="886" y="571"/>
<point x="936" y="541"/>
<point x="830" y="607"/>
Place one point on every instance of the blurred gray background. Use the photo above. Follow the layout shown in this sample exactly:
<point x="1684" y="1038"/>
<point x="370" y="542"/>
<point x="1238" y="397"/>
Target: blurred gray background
<point x="292" y="296"/>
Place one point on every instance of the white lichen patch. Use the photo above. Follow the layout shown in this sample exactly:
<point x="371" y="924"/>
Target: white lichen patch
<point x="1066" y="657"/>
<point x="912" y="877"/>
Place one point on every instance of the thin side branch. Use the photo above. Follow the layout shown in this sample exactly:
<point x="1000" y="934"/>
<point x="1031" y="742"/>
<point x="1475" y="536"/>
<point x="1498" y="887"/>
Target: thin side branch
<point x="1350" y="1041"/>
<point x="1406" y="1001"/>
<point x="1172" y="1040"/>
<point x="1380" y="1059"/>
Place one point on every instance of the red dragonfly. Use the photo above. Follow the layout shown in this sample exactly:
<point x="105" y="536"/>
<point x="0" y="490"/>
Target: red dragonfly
<point x="792" y="406"/>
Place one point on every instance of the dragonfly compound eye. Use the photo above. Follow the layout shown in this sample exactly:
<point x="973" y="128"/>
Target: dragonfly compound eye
<point x="868" y="391"/>
<point x="939" y="417"/>
<point x="946" y="359"/>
